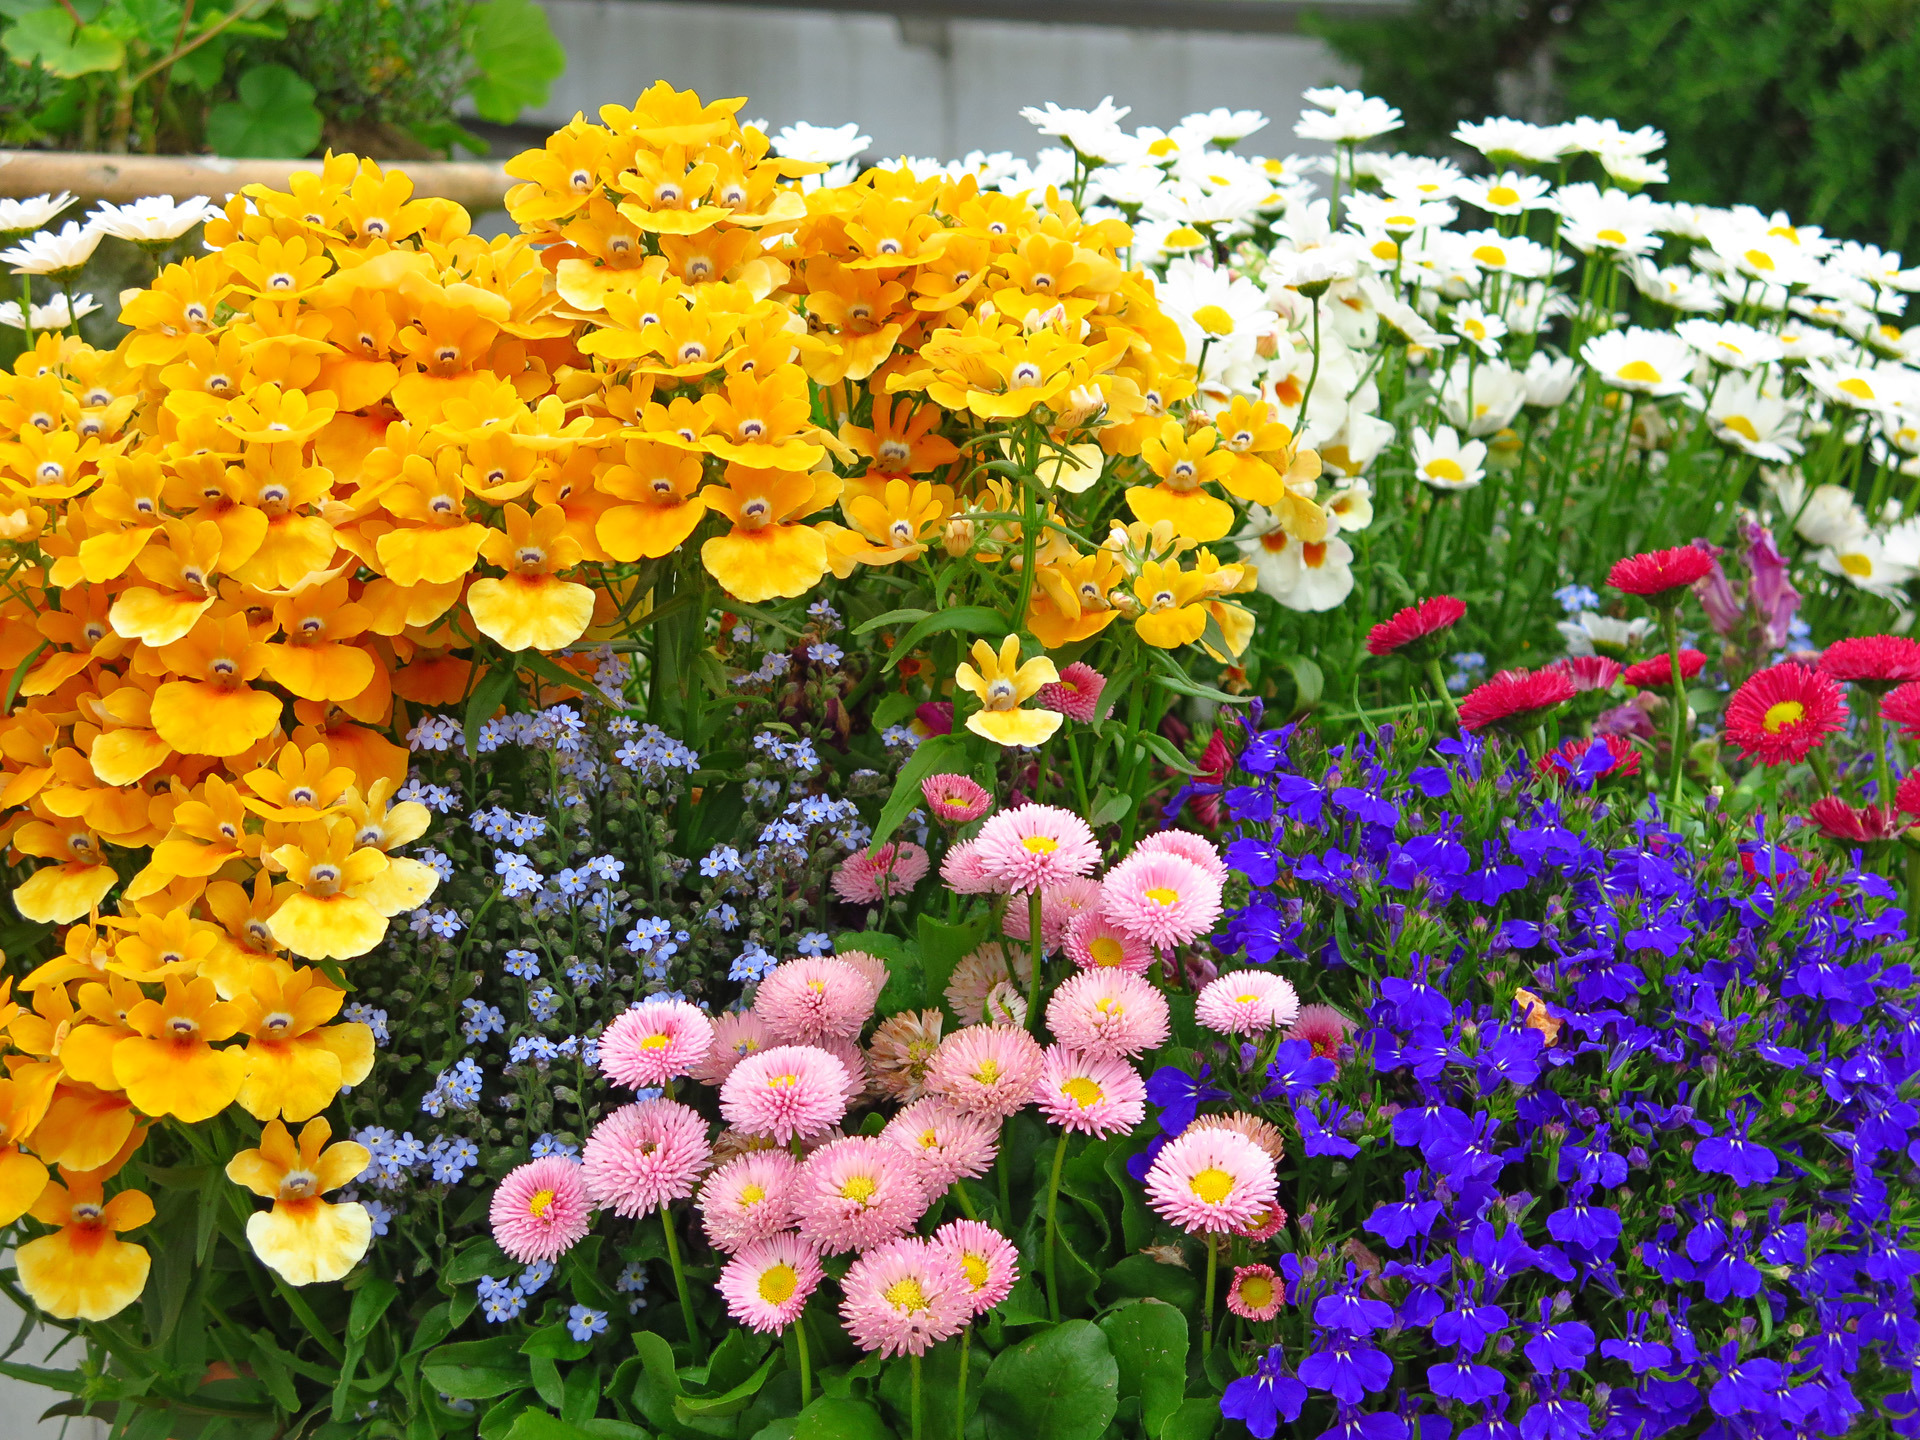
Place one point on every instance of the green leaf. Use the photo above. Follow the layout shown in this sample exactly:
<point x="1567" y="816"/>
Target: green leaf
<point x="837" y="1418"/>
<point x="552" y="1342"/>
<point x="274" y="116"/>
<point x="1182" y="686"/>
<point x="942" y="947"/>
<point x="483" y="1257"/>
<point x="1162" y="749"/>
<point x="1195" y="1419"/>
<point x="554" y="673"/>
<point x="476" y="1369"/>
<point x="1309" y="683"/>
<point x="50" y="39"/>
<point x="939" y="1387"/>
<point x="487" y="697"/>
<point x="532" y="1424"/>
<point x="1139" y="1276"/>
<point x="933" y="755"/>
<point x="70" y="1381"/>
<point x="1063" y="1384"/>
<point x="516" y="56"/>
<point x="730" y="1402"/>
<point x="1109" y="807"/>
<point x="893" y="709"/>
<point x="370" y="1302"/>
<point x="1149" y="1341"/>
<point x="973" y="619"/>
<point x="892" y="617"/>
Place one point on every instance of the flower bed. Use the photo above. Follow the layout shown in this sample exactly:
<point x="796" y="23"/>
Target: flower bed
<point x="695" y="822"/>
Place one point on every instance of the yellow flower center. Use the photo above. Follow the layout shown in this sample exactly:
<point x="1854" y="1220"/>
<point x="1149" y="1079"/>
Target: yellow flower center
<point x="1856" y="564"/>
<point x="1083" y="1092"/>
<point x="929" y="1139"/>
<point x="1107" y="951"/>
<point x="1183" y="237"/>
<point x="1759" y="259"/>
<point x="751" y="1194"/>
<point x="654" y="1042"/>
<point x="1163" y="896"/>
<point x="1213" y="319"/>
<point x="1212" y="1185"/>
<point x="858" y="1188"/>
<point x="782" y="1082"/>
<point x="1256" y="1292"/>
<point x="1853" y="385"/>
<point x="778" y="1283"/>
<point x="1638" y="370"/>
<point x="1502" y="195"/>
<point x="1445" y="469"/>
<point x="976" y="1268"/>
<point x="988" y="1073"/>
<point x="1780" y="716"/>
<point x="1740" y="426"/>
<point x="1611" y="237"/>
<point x="541" y="1202"/>
<point x="906" y="1295"/>
<point x="1040" y="844"/>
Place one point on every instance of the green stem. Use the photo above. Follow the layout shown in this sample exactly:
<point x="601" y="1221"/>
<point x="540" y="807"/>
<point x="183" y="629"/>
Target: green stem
<point x="1006" y="1192"/>
<point x="1213" y="1262"/>
<point x="1913" y="890"/>
<point x="1033" y="948"/>
<point x="915" y="1362"/>
<point x="1053" y="1206"/>
<point x="1439" y="679"/>
<point x="965" y="1200"/>
<point x="960" y="1400"/>
<point x="806" y="1363"/>
<point x="1678" y="761"/>
<point x="680" y="1281"/>
<point x="1882" y="776"/>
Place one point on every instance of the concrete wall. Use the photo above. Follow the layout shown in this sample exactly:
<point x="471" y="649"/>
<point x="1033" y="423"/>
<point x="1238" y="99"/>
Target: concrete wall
<point x="925" y="87"/>
<point x="21" y="1404"/>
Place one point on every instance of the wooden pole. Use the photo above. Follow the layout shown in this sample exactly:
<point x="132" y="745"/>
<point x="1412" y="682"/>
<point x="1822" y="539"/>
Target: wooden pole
<point x="478" y="185"/>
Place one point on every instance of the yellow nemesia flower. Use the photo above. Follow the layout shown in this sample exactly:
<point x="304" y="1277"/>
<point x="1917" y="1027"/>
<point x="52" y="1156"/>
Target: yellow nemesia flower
<point x="305" y="1238"/>
<point x="1003" y="685"/>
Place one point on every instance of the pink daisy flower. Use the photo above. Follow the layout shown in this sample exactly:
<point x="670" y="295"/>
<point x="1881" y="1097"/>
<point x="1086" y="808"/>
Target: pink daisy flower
<point x="946" y="1144"/>
<point x="1058" y="905"/>
<point x="807" y="1001"/>
<point x="1188" y="846"/>
<point x="1247" y="1002"/>
<point x="769" y="1282"/>
<point x="1322" y="1027"/>
<point x="955" y="799"/>
<point x="1089" y="1094"/>
<point x="887" y="873"/>
<point x="749" y="1198"/>
<point x="736" y="1035"/>
<point x="786" y="1091"/>
<point x="1096" y="943"/>
<point x="540" y="1210"/>
<point x="1036" y="846"/>
<point x="1256" y="1294"/>
<point x="904" y="1297"/>
<point x="986" y="1069"/>
<point x="1211" y="1180"/>
<point x="856" y="1193"/>
<point x="1076" y="694"/>
<point x="1264" y="1227"/>
<point x="849" y="1054"/>
<point x="654" y="1042"/>
<point x="643" y="1156"/>
<point x="871" y="967"/>
<point x="987" y="1258"/>
<point x="965" y="873"/>
<point x="1109" y="1012"/>
<point x="1161" y="899"/>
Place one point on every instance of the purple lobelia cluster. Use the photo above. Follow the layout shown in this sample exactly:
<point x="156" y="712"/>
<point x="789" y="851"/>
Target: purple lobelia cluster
<point x="1611" y="1132"/>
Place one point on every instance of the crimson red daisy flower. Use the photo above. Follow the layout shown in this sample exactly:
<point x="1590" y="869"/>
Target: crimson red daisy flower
<point x="1906" y="796"/>
<point x="1901" y="707"/>
<point x="1782" y="712"/>
<point x="1657" y="673"/>
<point x="1589" y="672"/>
<point x="1514" y="699"/>
<point x="1575" y="758"/>
<point x="1416" y="622"/>
<point x="1878" y="662"/>
<point x="1840" y="821"/>
<point x="1660" y="572"/>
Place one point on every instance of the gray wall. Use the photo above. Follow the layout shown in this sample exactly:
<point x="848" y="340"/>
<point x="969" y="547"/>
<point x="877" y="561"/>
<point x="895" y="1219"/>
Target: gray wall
<point x="934" y="88"/>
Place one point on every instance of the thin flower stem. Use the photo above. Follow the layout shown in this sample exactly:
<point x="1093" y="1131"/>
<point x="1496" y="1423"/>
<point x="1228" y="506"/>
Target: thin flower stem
<point x="965" y="1200"/>
<point x="806" y="1363"/>
<point x="1677" y="763"/>
<point x="1033" y="948"/>
<point x="1877" y="737"/>
<point x="1439" y="678"/>
<point x="960" y="1399"/>
<point x="1053" y="1206"/>
<point x="680" y="1282"/>
<point x="915" y="1361"/>
<point x="1206" y="1319"/>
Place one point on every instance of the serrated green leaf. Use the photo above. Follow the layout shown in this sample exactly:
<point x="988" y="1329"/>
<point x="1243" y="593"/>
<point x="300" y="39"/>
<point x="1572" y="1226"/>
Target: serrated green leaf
<point x="272" y="118"/>
<point x="516" y="57"/>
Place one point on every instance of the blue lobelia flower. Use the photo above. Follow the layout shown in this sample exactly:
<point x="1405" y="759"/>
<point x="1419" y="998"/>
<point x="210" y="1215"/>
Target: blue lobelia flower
<point x="1296" y="1072"/>
<point x="1180" y="1096"/>
<point x="1260" y="1401"/>
<point x="1349" y="1368"/>
<point x="1350" y="1312"/>
<point x="1592" y="1228"/>
<point x="1322" y="1137"/>
<point x="1744" y="1161"/>
<point x="1561" y="1346"/>
<point x="1398" y="1223"/>
<point x="1468" y="1383"/>
<point x="1365" y="1425"/>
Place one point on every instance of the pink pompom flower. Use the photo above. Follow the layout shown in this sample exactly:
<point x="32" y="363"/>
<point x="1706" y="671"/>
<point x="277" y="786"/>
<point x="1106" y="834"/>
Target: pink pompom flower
<point x="1036" y="846"/>
<point x="986" y="1069"/>
<point x="1076" y="694"/>
<point x="886" y="873"/>
<point x="1256" y="1294"/>
<point x="956" y="799"/>
<point x="736" y="1035"/>
<point x="1322" y="1027"/>
<point x="854" y="1193"/>
<point x="643" y="1156"/>
<point x="1110" y="1012"/>
<point x="1096" y="943"/>
<point x="1089" y="1094"/>
<point x="541" y="1210"/>
<point x="1161" y="899"/>
<point x="654" y="1042"/>
<point x="769" y="1282"/>
<point x="965" y="872"/>
<point x="749" y="1198"/>
<point x="904" y="1297"/>
<point x="1188" y="846"/>
<point x="1211" y="1181"/>
<point x="806" y="1001"/>
<point x="987" y="1258"/>
<point x="1247" y="1002"/>
<point x="786" y="1091"/>
<point x="946" y="1144"/>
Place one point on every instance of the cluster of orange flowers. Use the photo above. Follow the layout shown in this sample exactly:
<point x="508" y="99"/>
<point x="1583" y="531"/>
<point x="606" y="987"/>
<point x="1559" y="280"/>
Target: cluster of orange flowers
<point x="354" y="442"/>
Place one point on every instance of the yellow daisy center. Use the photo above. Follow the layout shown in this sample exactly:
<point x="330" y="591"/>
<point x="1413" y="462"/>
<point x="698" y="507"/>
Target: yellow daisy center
<point x="1740" y="426"/>
<point x="1164" y="895"/>
<point x="654" y="1042"/>
<point x="905" y="1295"/>
<point x="976" y="1268"/>
<point x="751" y="1194"/>
<point x="541" y="1202"/>
<point x="1856" y="564"/>
<point x="988" y="1073"/>
<point x="1856" y="387"/>
<point x="1212" y="1185"/>
<point x="1611" y="237"/>
<point x="1780" y="716"/>
<point x="1638" y="370"/>
<point x="1213" y="319"/>
<point x="1040" y="844"/>
<point x="1083" y="1092"/>
<point x="1503" y="195"/>
<point x="1445" y="469"/>
<point x="778" y="1283"/>
<point x="1106" y="951"/>
<point x="1256" y="1292"/>
<point x="858" y="1188"/>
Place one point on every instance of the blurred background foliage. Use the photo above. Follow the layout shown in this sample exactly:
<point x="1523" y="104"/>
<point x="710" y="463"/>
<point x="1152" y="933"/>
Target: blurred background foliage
<point x="1811" y="106"/>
